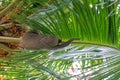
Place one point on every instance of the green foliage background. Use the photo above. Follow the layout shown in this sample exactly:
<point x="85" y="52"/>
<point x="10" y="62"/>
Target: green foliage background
<point x="94" y="22"/>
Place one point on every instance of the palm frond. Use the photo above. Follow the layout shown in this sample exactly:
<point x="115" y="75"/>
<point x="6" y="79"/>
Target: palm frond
<point x="56" y="63"/>
<point x="86" y="20"/>
<point x="92" y="21"/>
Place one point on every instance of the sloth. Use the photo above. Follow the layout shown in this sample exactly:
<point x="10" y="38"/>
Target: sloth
<point x="32" y="40"/>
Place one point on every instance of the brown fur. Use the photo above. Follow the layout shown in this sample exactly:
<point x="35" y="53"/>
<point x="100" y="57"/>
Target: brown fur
<point x="33" y="40"/>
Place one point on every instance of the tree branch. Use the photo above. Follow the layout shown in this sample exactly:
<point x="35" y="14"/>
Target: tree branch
<point x="9" y="39"/>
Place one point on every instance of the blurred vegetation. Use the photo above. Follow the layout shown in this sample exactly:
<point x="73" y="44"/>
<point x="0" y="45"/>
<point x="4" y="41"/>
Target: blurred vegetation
<point x="95" y="22"/>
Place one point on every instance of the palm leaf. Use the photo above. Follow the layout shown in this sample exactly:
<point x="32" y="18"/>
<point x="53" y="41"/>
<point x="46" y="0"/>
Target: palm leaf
<point x="74" y="18"/>
<point x="78" y="19"/>
<point x="55" y="63"/>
